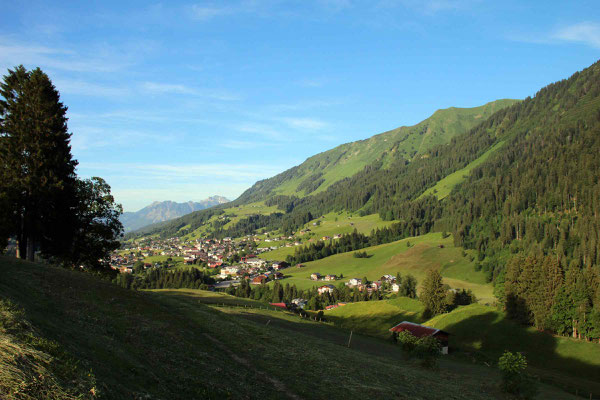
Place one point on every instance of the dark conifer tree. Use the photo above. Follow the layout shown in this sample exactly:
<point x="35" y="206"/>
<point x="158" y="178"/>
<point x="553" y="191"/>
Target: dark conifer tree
<point x="38" y="171"/>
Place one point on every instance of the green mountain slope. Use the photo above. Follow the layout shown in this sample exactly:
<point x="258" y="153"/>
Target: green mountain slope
<point x="319" y="172"/>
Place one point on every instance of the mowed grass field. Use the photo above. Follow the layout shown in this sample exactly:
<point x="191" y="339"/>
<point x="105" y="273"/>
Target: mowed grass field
<point x="173" y="345"/>
<point x="330" y="224"/>
<point x="423" y="254"/>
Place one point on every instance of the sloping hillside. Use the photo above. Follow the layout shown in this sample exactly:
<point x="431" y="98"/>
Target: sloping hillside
<point x="153" y="345"/>
<point x="319" y="172"/>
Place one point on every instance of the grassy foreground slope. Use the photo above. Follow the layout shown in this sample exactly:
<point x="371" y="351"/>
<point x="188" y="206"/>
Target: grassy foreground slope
<point x="366" y="347"/>
<point x="148" y="345"/>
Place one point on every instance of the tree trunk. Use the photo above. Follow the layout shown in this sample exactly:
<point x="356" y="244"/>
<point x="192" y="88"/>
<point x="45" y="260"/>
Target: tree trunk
<point x="22" y="248"/>
<point x="30" y="250"/>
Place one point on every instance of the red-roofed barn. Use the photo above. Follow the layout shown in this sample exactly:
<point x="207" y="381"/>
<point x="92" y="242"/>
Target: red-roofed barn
<point x="423" y="331"/>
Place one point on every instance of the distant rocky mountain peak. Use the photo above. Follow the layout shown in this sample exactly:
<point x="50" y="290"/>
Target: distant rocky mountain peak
<point x="159" y="211"/>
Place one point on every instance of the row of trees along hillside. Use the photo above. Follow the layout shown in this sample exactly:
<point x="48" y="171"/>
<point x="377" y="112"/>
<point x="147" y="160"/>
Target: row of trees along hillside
<point x="42" y="202"/>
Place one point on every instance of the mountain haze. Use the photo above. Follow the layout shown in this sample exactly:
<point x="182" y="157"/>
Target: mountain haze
<point x="160" y="211"/>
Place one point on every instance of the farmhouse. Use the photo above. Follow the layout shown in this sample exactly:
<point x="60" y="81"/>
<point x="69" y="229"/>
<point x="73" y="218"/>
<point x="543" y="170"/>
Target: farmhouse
<point x="259" y="279"/>
<point x="354" y="282"/>
<point x="315" y="276"/>
<point x="300" y="303"/>
<point x="330" y="277"/>
<point x="423" y="331"/>
<point x="277" y="275"/>
<point x="277" y="265"/>
<point x="326" y="289"/>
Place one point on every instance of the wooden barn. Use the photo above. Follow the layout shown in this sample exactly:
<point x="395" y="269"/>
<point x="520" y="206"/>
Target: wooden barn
<point x="423" y="331"/>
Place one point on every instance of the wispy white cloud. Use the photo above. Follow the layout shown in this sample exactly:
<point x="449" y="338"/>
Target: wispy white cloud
<point x="159" y="87"/>
<point x="336" y="5"/>
<point x="93" y="137"/>
<point x="207" y="12"/>
<point x="204" y="12"/>
<point x="311" y="83"/>
<point x="167" y="88"/>
<point x="169" y="172"/>
<point x="304" y="105"/>
<point x="13" y="53"/>
<point x="134" y="199"/>
<point x="245" y="144"/>
<point x="261" y="129"/>
<point x="430" y="6"/>
<point x="585" y="32"/>
<point x="84" y="88"/>
<point x="309" y="124"/>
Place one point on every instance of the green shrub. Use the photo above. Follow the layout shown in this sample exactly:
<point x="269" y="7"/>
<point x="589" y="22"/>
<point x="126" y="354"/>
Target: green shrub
<point x="514" y="378"/>
<point x="428" y="350"/>
<point x="407" y="341"/>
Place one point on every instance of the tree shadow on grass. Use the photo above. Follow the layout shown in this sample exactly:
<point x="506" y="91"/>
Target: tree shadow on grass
<point x="484" y="337"/>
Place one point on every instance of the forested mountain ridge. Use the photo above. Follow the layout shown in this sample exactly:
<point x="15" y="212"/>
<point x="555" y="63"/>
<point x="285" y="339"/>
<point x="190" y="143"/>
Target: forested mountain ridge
<point x="337" y="165"/>
<point x="160" y="211"/>
<point x="322" y="170"/>
<point x="393" y="190"/>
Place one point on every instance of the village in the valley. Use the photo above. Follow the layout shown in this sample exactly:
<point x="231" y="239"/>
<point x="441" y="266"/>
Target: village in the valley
<point x="229" y="261"/>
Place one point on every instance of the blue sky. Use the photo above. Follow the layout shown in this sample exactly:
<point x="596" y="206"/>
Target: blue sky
<point x="183" y="100"/>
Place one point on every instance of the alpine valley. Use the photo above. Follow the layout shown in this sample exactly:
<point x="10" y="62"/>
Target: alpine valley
<point x="458" y="258"/>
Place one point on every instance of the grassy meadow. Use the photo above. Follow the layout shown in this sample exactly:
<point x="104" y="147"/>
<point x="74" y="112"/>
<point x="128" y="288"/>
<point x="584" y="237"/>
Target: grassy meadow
<point x="234" y="214"/>
<point x="415" y="256"/>
<point x="180" y="345"/>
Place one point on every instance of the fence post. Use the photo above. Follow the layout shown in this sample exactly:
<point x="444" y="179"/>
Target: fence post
<point x="350" y="339"/>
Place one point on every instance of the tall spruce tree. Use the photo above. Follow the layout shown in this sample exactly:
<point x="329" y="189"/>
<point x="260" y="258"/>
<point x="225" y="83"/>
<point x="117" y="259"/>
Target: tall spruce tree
<point x="37" y="169"/>
<point x="433" y="295"/>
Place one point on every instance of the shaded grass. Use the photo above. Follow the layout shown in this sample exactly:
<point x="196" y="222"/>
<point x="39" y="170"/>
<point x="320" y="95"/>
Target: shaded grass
<point x="288" y="326"/>
<point x="485" y="333"/>
<point x="163" y="345"/>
